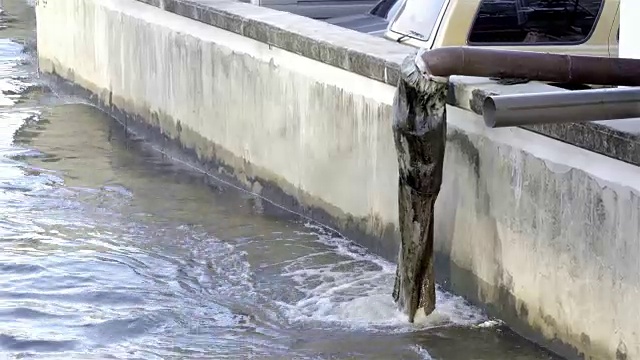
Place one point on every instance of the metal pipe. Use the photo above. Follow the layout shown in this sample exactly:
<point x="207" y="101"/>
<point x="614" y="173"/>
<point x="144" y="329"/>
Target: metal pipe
<point x="561" y="107"/>
<point x="535" y="66"/>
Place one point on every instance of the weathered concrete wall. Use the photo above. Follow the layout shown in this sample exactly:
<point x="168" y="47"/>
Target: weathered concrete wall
<point x="320" y="133"/>
<point x="542" y="233"/>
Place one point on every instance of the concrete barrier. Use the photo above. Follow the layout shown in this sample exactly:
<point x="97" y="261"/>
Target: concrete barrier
<point x="271" y="117"/>
<point x="541" y="233"/>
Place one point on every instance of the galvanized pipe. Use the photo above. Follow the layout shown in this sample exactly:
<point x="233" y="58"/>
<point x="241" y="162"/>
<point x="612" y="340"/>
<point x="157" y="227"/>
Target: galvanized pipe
<point x="561" y="107"/>
<point x="559" y="68"/>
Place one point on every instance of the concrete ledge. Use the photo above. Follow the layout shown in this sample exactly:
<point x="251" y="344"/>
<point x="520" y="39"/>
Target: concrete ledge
<point x="379" y="59"/>
<point x="375" y="58"/>
<point x="617" y="139"/>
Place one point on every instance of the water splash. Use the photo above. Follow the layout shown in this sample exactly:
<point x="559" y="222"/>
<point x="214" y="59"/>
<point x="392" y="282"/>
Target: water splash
<point x="352" y="290"/>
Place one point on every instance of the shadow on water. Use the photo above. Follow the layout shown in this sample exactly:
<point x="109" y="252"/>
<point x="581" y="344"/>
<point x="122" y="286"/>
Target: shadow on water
<point x="110" y="250"/>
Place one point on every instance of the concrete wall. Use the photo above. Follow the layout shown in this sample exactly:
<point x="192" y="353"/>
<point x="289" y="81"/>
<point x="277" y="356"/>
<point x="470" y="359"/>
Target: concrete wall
<point x="320" y="133"/>
<point x="542" y="233"/>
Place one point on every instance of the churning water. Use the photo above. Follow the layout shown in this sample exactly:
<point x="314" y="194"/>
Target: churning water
<point x="110" y="251"/>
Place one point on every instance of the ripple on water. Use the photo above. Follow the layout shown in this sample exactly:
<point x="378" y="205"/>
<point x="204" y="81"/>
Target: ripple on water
<point x="18" y="343"/>
<point x="13" y="269"/>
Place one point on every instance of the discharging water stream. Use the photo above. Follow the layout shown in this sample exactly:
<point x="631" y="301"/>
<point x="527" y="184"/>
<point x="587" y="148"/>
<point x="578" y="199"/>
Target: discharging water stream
<point x="110" y="251"/>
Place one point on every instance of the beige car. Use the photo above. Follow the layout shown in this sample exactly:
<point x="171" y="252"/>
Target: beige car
<point x="581" y="27"/>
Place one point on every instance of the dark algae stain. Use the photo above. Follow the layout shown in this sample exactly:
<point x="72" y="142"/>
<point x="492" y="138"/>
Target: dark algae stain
<point x="419" y="128"/>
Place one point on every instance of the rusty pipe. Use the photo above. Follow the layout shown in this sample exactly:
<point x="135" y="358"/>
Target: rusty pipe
<point x="535" y="66"/>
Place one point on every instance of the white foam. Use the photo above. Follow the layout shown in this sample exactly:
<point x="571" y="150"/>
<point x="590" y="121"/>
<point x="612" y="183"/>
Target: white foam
<point x="422" y="352"/>
<point x="355" y="292"/>
<point x="491" y="323"/>
<point x="10" y="122"/>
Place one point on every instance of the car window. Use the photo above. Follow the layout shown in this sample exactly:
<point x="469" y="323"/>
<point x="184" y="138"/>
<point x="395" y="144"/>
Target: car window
<point x="418" y="18"/>
<point x="393" y="11"/>
<point x="534" y="21"/>
<point x="382" y="8"/>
